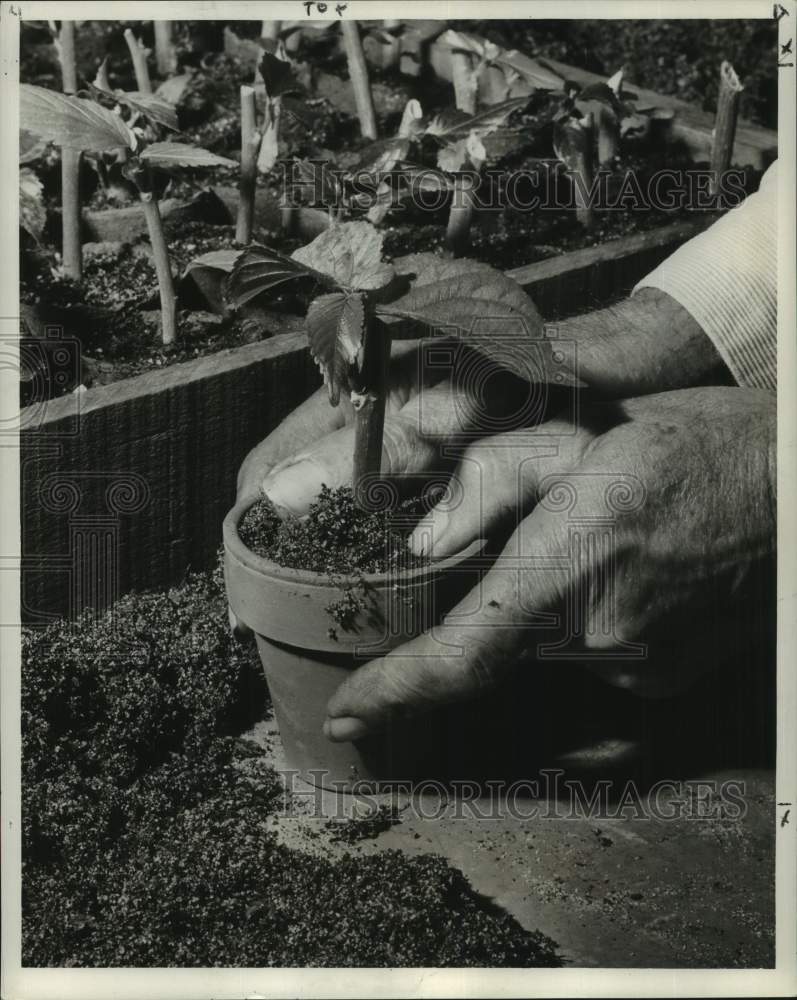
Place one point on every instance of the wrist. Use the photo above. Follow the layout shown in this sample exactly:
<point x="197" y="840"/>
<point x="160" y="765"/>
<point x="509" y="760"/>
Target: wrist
<point x="647" y="343"/>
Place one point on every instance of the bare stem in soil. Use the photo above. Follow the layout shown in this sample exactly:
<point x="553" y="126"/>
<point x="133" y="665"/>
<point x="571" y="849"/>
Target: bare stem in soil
<point x="608" y="137"/>
<point x="369" y="419"/>
<point x="165" y="56"/>
<point x="138" y="54"/>
<point x="71" y="247"/>
<point x="163" y="270"/>
<point x="730" y="93"/>
<point x="358" y="73"/>
<point x="460" y="215"/>
<point x="250" y="143"/>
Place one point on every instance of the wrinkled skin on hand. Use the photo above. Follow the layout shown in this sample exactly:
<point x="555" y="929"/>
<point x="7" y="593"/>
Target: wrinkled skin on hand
<point x="663" y="568"/>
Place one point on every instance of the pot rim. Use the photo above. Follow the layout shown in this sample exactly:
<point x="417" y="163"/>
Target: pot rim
<point x="266" y="567"/>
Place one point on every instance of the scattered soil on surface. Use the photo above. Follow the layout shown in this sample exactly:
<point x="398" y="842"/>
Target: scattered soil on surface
<point x="146" y="834"/>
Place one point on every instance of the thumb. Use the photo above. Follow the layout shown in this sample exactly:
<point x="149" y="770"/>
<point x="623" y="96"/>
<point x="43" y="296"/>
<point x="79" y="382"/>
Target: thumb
<point x="476" y="647"/>
<point x="295" y="483"/>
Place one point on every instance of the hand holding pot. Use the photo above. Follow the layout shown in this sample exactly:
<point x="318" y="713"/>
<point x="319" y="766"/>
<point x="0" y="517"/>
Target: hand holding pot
<point x="644" y="545"/>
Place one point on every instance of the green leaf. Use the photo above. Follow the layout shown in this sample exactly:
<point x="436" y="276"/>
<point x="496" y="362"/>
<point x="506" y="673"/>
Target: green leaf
<point x="531" y="70"/>
<point x="208" y="273"/>
<point x="382" y="156"/>
<point x="351" y="254"/>
<point x="173" y="90"/>
<point x="457" y="126"/>
<point x="482" y="306"/>
<point x="31" y="147"/>
<point x="179" y="154"/>
<point x="32" y="213"/>
<point x="71" y="121"/>
<point x="335" y="330"/>
<point x="464" y="154"/>
<point x="258" y="269"/>
<point x="277" y="75"/>
<point x="156" y="109"/>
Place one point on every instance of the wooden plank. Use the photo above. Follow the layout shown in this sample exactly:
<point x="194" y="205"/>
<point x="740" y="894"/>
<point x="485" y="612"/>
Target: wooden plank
<point x="586" y="279"/>
<point x="149" y="464"/>
<point x="143" y="472"/>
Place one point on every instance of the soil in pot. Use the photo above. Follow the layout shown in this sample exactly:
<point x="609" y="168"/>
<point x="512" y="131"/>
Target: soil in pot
<point x="353" y="592"/>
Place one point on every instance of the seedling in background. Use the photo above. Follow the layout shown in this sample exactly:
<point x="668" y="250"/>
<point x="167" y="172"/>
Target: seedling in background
<point x="358" y="304"/>
<point x="165" y="55"/>
<point x="483" y="72"/>
<point x="139" y="53"/>
<point x="71" y="246"/>
<point x="358" y="74"/>
<point x="260" y="147"/>
<point x="79" y="124"/>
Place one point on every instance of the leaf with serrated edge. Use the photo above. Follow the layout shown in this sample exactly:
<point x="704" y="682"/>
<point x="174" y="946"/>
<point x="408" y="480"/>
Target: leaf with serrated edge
<point x="350" y="253"/>
<point x="71" y="121"/>
<point x="179" y="154"/>
<point x="335" y="329"/>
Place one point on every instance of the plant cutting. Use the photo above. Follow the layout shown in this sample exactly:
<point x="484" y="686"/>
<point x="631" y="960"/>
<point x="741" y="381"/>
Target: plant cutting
<point x="138" y="55"/>
<point x="80" y="124"/>
<point x="71" y="251"/>
<point x="358" y="74"/>
<point x="349" y="558"/>
<point x="165" y="54"/>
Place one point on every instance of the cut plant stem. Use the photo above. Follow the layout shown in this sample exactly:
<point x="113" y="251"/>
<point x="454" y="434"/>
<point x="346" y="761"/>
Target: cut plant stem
<point x="138" y="54"/>
<point x="725" y="123"/>
<point x="574" y="144"/>
<point x="165" y="56"/>
<point x="270" y="29"/>
<point x="608" y="136"/>
<point x="460" y="216"/>
<point x="369" y="419"/>
<point x="358" y="73"/>
<point x="466" y="87"/>
<point x="71" y="246"/>
<point x="250" y="144"/>
<point x="163" y="269"/>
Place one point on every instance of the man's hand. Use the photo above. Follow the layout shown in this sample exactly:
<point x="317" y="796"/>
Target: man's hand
<point x="428" y="409"/>
<point x="664" y="572"/>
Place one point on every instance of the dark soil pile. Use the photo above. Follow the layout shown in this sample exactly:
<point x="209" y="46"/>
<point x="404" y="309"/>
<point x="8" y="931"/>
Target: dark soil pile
<point x="144" y="833"/>
<point x="336" y="537"/>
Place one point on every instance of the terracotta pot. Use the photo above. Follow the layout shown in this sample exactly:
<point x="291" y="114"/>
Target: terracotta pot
<point x="306" y="656"/>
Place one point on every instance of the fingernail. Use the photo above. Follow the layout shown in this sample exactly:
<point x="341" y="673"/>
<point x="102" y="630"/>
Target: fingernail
<point x="345" y="729"/>
<point x="292" y="487"/>
<point x="426" y="536"/>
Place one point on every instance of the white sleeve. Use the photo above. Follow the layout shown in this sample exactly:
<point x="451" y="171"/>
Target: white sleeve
<point x="727" y="279"/>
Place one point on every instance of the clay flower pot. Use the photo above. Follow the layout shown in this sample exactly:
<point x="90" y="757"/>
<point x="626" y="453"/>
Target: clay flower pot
<point x="306" y="656"/>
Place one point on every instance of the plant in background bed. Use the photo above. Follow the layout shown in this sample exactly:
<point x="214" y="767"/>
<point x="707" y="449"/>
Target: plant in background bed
<point x="357" y="304"/>
<point x="82" y="124"/>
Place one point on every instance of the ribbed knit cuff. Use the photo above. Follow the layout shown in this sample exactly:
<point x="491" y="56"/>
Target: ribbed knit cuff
<point x="726" y="278"/>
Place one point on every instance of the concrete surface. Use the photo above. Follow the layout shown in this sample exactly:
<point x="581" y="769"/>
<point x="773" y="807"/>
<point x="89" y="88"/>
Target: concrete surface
<point x="625" y="888"/>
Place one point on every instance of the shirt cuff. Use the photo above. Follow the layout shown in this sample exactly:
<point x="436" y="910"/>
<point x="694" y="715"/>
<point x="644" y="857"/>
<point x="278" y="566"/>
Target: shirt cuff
<point x="726" y="278"/>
